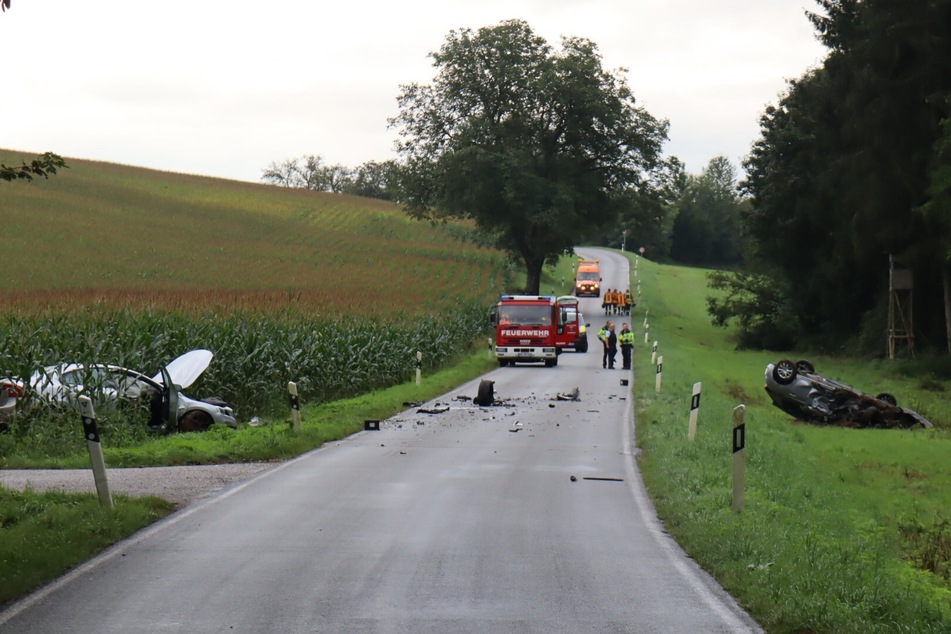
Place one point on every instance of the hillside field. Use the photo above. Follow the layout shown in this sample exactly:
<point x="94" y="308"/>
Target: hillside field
<point x="105" y="234"/>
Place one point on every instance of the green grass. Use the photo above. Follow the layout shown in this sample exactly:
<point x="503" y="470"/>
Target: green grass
<point x="42" y="535"/>
<point x="843" y="530"/>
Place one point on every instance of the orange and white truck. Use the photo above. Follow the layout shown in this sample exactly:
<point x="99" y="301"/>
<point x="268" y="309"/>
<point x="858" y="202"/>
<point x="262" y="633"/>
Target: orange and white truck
<point x="588" y="278"/>
<point x="536" y="328"/>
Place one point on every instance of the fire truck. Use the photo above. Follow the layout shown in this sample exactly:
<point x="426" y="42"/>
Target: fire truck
<point x="588" y="278"/>
<point x="533" y="328"/>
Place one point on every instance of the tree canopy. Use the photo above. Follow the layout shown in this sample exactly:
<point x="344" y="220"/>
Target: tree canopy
<point x="539" y="147"/>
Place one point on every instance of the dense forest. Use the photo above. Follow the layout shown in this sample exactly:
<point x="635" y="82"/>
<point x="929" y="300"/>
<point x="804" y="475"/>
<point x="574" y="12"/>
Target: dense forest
<point x="852" y="169"/>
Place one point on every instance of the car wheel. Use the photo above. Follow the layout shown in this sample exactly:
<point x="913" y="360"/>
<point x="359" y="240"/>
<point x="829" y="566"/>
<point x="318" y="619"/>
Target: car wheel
<point x="805" y="367"/>
<point x="582" y="345"/>
<point x="550" y="363"/>
<point x="194" y="421"/>
<point x="888" y="398"/>
<point x="784" y="372"/>
<point x="503" y="363"/>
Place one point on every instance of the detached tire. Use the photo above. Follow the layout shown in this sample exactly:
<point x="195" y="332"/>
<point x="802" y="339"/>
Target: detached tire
<point x="486" y="395"/>
<point x="784" y="372"/>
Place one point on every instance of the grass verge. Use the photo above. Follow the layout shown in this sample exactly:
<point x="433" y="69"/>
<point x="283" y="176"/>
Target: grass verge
<point x="843" y="530"/>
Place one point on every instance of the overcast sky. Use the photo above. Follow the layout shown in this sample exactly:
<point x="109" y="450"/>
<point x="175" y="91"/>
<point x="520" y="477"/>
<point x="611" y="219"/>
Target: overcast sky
<point x="224" y="88"/>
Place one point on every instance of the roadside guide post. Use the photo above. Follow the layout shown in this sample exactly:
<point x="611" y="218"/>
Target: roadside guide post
<point x="694" y="411"/>
<point x="654" y="354"/>
<point x="95" y="451"/>
<point x="419" y="367"/>
<point x="660" y="370"/>
<point x="647" y="334"/>
<point x="295" y="405"/>
<point x="489" y="349"/>
<point x="739" y="442"/>
<point x="645" y="315"/>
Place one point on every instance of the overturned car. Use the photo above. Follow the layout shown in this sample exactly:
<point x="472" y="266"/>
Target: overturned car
<point x="795" y="388"/>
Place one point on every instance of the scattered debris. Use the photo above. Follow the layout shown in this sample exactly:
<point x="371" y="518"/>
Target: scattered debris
<point x="257" y="422"/>
<point x="574" y="479"/>
<point x="411" y="403"/>
<point x="436" y="409"/>
<point x="604" y="479"/>
<point x="573" y="395"/>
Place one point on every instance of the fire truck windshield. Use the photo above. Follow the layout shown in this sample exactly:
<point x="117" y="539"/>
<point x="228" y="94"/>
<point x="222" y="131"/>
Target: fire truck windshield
<point x="524" y="315"/>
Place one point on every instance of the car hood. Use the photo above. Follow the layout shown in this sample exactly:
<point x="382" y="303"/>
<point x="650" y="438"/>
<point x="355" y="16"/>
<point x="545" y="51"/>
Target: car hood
<point x="186" y="369"/>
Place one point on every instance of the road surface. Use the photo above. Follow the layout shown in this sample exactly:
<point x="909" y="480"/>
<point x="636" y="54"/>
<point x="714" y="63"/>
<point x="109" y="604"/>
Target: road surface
<point x="527" y="516"/>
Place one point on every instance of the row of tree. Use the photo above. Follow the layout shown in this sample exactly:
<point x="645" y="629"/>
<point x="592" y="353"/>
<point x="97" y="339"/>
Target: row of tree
<point x="371" y="179"/>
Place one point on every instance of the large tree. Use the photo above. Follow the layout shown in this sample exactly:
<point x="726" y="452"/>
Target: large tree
<point x="540" y="147"/>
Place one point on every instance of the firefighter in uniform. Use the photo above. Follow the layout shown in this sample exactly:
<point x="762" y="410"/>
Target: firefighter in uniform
<point x="626" y="339"/>
<point x="628" y="302"/>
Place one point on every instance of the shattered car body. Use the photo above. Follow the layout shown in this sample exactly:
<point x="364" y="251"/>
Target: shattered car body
<point x="64" y="383"/>
<point x="796" y="389"/>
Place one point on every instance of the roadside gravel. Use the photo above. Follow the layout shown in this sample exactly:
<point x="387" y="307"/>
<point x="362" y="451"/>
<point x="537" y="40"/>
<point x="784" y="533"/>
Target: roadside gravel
<point x="179" y="485"/>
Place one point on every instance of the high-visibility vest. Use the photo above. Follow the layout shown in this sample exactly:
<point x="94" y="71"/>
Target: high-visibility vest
<point x="626" y="338"/>
<point x="628" y="298"/>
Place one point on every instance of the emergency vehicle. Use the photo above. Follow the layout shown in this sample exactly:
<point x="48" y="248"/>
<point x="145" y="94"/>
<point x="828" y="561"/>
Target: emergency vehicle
<point x="533" y="328"/>
<point x="588" y="278"/>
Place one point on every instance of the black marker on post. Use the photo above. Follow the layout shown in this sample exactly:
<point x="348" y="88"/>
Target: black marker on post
<point x="739" y="443"/>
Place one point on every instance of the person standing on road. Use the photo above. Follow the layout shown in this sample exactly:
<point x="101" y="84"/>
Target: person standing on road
<point x="603" y="338"/>
<point x="626" y="339"/>
<point x="612" y="346"/>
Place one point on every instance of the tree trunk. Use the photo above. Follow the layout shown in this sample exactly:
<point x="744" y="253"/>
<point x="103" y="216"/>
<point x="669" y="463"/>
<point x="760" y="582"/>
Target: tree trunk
<point x="533" y="275"/>
<point x="946" y="282"/>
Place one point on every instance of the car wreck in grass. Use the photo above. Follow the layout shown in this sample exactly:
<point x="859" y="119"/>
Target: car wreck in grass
<point x="170" y="409"/>
<point x="795" y="388"/>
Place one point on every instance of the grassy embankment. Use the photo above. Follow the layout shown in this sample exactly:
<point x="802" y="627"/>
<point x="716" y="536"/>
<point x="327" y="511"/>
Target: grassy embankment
<point x="843" y="530"/>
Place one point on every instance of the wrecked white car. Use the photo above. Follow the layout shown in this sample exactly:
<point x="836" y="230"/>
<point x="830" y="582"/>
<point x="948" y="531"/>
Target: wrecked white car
<point x="64" y="383"/>
<point x="796" y="389"/>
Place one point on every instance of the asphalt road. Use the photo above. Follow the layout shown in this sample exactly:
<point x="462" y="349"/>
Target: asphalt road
<point x="527" y="516"/>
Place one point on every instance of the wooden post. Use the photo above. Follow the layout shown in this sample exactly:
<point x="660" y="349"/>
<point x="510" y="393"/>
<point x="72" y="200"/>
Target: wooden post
<point x="739" y="442"/>
<point x="694" y="411"/>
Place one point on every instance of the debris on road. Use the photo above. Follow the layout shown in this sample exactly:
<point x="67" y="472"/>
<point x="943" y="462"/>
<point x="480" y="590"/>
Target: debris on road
<point x="573" y="395"/>
<point x="438" y="408"/>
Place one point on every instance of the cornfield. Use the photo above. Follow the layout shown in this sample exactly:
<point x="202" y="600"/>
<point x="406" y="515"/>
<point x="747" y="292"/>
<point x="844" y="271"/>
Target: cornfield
<point x="256" y="354"/>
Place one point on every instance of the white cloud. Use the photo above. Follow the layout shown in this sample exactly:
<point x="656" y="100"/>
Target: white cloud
<point x="224" y="88"/>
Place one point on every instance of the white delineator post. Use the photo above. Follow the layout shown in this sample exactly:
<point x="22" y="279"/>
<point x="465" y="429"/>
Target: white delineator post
<point x="654" y="354"/>
<point x="419" y="367"/>
<point x="647" y="334"/>
<point x="739" y="442"/>
<point x="295" y="405"/>
<point x="95" y="451"/>
<point x="489" y="339"/>
<point x="694" y="411"/>
<point x="660" y="370"/>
